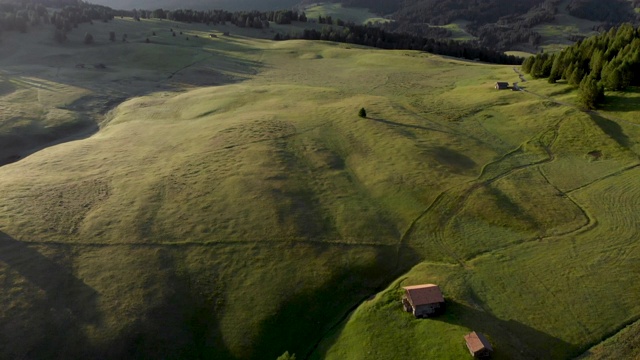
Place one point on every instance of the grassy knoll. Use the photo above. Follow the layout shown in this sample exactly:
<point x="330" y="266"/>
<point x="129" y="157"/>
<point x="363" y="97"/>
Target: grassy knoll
<point x="522" y="54"/>
<point x="249" y="218"/>
<point x="59" y="93"/>
<point x="507" y="241"/>
<point x="337" y="11"/>
<point x="534" y="301"/>
<point x="458" y="31"/>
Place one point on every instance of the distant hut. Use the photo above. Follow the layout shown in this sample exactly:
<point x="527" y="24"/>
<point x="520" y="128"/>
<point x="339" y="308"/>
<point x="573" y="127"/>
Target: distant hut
<point x="213" y="35"/>
<point x="478" y="345"/>
<point x="501" y="85"/>
<point x="423" y="300"/>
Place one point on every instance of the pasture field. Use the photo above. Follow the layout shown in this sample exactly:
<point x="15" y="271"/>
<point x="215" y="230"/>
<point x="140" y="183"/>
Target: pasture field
<point x="458" y="31"/>
<point x="346" y="14"/>
<point x="222" y="199"/>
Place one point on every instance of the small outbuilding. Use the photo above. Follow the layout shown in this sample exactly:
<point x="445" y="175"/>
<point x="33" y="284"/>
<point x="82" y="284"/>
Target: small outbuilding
<point x="500" y="85"/>
<point x="478" y="345"/>
<point x="423" y="300"/>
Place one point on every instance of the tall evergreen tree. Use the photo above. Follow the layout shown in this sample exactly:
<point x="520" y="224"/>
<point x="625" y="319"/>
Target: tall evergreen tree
<point x="556" y="69"/>
<point x="591" y="93"/>
<point x="576" y="76"/>
<point x="527" y="64"/>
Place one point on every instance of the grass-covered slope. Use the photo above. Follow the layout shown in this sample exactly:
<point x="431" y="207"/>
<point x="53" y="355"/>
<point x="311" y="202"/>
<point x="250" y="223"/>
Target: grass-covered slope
<point x="532" y="255"/>
<point x="247" y="219"/>
<point x="347" y="14"/>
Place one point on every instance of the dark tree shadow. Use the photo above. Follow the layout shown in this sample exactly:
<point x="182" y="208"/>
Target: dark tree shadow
<point x="309" y="318"/>
<point x="182" y="325"/>
<point x="621" y="103"/>
<point x="456" y="161"/>
<point x="50" y="326"/>
<point x="62" y="288"/>
<point x="410" y="126"/>
<point x="612" y="129"/>
<point x="510" y="339"/>
<point x="221" y="68"/>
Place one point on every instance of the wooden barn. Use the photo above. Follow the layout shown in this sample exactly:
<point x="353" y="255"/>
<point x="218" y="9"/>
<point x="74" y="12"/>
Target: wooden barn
<point x="478" y="345"/>
<point x="423" y="300"/>
<point x="500" y="85"/>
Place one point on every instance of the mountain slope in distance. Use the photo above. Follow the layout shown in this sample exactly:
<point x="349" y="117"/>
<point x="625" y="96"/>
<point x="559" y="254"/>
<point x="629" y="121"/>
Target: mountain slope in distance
<point x="231" y="5"/>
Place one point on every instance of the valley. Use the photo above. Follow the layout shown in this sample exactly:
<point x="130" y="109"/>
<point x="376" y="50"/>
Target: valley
<point x="219" y="197"/>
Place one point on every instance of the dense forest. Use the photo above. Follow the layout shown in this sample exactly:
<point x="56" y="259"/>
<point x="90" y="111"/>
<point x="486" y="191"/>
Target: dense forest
<point x="20" y="16"/>
<point x="256" y="19"/>
<point x="498" y="24"/>
<point x="609" y="61"/>
<point x="612" y="11"/>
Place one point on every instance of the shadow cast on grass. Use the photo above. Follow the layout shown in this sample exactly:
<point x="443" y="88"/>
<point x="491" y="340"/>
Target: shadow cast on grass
<point x="612" y="129"/>
<point x="410" y="126"/>
<point x="63" y="290"/>
<point x="220" y="68"/>
<point x="510" y="339"/>
<point x="622" y="103"/>
<point x="182" y="323"/>
<point x="306" y="319"/>
<point x="52" y="322"/>
<point x="454" y="160"/>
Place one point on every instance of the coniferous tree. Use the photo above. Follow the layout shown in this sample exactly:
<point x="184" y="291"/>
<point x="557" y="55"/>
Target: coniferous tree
<point x="59" y="36"/>
<point x="591" y="93"/>
<point x="528" y="62"/>
<point x="596" y="63"/>
<point x="546" y="66"/>
<point x="88" y="38"/>
<point x="537" y="67"/>
<point x="556" y="69"/>
<point x="576" y="76"/>
<point x="612" y="77"/>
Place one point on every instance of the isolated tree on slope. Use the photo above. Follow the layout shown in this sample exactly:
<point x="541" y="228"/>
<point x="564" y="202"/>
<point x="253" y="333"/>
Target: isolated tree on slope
<point x="88" y="38"/>
<point x="362" y="113"/>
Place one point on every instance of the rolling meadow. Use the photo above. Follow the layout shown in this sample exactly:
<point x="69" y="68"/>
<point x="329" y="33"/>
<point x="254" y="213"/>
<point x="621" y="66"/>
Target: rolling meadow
<point x="219" y="197"/>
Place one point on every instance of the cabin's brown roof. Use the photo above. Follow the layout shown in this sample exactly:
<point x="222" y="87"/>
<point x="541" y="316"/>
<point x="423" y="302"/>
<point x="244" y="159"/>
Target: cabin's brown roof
<point x="424" y="294"/>
<point x="476" y="342"/>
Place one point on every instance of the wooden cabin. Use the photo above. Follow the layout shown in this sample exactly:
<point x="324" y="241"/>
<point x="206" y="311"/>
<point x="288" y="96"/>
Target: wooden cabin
<point x="500" y="85"/>
<point x="423" y="300"/>
<point x="478" y="345"/>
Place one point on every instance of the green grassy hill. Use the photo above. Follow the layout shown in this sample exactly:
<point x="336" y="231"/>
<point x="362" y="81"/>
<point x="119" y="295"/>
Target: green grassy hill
<point x="347" y="14"/>
<point x="249" y="218"/>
